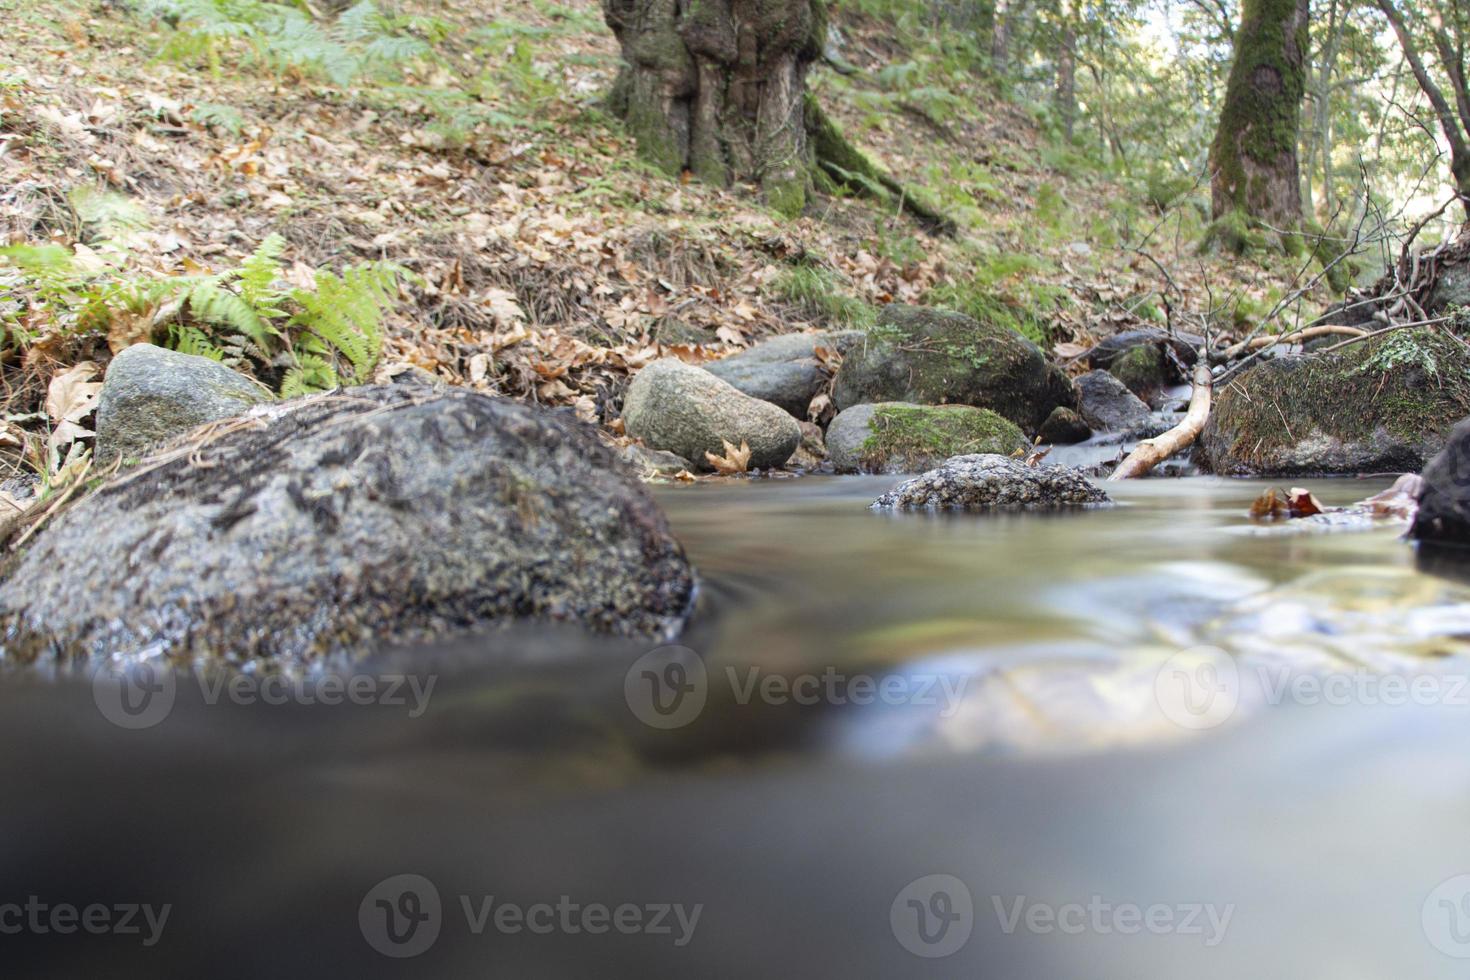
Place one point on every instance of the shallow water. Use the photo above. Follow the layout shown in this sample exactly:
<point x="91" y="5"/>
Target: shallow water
<point x="1156" y="705"/>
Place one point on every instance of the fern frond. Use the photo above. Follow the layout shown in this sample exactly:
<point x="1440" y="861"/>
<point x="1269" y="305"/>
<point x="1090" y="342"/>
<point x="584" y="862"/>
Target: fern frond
<point x="258" y="273"/>
<point x="212" y="303"/>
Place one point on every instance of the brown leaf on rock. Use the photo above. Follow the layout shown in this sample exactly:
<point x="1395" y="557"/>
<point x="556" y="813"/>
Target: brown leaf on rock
<point x="1302" y="503"/>
<point x="734" y="462"/>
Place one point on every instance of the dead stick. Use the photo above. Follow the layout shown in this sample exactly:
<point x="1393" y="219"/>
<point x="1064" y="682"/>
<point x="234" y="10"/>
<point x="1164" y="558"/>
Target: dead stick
<point x="1295" y="337"/>
<point x="1151" y="452"/>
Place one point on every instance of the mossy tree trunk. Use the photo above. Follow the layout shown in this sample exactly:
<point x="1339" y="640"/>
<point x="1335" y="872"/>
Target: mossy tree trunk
<point x="718" y="87"/>
<point x="1253" y="160"/>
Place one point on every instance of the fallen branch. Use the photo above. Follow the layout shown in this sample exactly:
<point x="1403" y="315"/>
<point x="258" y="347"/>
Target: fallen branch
<point x="1151" y="452"/>
<point x="1294" y="337"/>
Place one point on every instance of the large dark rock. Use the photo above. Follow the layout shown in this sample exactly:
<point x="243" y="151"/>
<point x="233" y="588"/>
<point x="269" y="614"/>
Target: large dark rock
<point x="1064" y="427"/>
<point x="686" y="410"/>
<point x="936" y="357"/>
<point x="896" y="437"/>
<point x="152" y="394"/>
<point x="1107" y="405"/>
<point x="1443" y="517"/>
<point x="1383" y="405"/>
<point x="990" y="482"/>
<point x="379" y="515"/>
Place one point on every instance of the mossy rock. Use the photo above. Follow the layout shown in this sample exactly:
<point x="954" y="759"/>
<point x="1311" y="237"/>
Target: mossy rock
<point x="1143" y="369"/>
<point x="935" y="357"/>
<point x="1384" y="405"/>
<point x="897" y="437"/>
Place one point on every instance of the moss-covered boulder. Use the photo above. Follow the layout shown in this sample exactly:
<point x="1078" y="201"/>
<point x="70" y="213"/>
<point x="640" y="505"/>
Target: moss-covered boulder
<point x="1143" y="370"/>
<point x="1064" y="427"/>
<point x="937" y="357"/>
<point x="1382" y="405"/>
<point x="898" y="437"/>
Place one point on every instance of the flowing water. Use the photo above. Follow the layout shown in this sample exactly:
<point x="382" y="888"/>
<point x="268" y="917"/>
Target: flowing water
<point x="1150" y="740"/>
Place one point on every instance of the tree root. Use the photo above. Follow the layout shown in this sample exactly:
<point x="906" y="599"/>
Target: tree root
<point x="1151" y="452"/>
<point x="851" y="170"/>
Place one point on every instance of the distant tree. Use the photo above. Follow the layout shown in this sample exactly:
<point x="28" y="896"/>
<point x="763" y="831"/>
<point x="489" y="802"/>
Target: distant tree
<point x="1253" y="159"/>
<point x="1441" y="27"/>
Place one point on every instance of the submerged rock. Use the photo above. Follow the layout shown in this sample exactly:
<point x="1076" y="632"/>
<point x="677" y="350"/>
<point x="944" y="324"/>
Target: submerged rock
<point x="152" y="394"/>
<point x="379" y="515"/>
<point x="687" y="411"/>
<point x="898" y="437"/>
<point x="1107" y="405"/>
<point x="653" y="462"/>
<point x="936" y="357"/>
<point x="1383" y="405"/>
<point x="990" y="481"/>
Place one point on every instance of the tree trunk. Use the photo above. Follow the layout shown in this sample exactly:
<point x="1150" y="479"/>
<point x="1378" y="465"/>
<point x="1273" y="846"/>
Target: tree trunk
<point x="1253" y="160"/>
<point x="717" y="87"/>
<point x="1066" y="87"/>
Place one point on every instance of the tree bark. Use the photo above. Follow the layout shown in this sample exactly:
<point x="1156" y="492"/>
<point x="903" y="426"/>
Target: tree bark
<point x="717" y="87"/>
<point x="1253" y="160"/>
<point x="1066" y="87"/>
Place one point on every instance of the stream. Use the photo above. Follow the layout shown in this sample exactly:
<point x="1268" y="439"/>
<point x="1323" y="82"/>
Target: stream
<point x="1148" y="740"/>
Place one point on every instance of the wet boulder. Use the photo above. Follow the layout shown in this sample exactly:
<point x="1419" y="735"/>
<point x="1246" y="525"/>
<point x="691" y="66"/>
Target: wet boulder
<point x="151" y="394"/>
<point x="989" y="482"/>
<point x="1383" y="405"/>
<point x="937" y="357"/>
<point x="1443" y="517"/>
<point x="1106" y="404"/>
<point x="898" y="437"/>
<point x="337" y="523"/>
<point x="685" y="410"/>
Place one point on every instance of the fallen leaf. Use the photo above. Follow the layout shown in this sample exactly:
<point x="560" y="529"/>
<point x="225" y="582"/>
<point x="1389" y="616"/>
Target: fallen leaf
<point x="734" y="462"/>
<point x="71" y="397"/>
<point x="1302" y="503"/>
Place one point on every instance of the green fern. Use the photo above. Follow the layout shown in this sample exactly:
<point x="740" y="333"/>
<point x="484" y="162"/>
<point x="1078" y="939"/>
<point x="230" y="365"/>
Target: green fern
<point x="346" y="314"/>
<point x="219" y="116"/>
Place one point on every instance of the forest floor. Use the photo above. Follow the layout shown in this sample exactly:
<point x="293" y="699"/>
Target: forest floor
<point x="551" y="263"/>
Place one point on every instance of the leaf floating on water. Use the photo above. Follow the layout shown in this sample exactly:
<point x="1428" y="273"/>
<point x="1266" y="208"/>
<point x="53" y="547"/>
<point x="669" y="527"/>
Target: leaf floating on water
<point x="734" y="462"/>
<point x="1302" y="503"/>
<point x="1270" y="507"/>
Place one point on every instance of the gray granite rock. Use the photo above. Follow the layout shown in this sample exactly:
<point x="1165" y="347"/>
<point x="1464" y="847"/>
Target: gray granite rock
<point x="152" y="394"/>
<point x="988" y="482"/>
<point x="378" y="516"/>
<point x="686" y="410"/>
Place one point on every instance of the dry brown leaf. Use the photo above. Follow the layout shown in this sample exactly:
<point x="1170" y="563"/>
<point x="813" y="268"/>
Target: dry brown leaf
<point x="734" y="462"/>
<point x="71" y="397"/>
<point x="1302" y="503"/>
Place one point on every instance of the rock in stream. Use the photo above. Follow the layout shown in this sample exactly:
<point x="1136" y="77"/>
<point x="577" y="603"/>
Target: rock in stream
<point x="373" y="516"/>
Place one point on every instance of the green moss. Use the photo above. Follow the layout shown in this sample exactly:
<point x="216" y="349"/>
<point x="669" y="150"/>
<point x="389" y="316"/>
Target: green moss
<point x="1233" y="232"/>
<point x="921" y="435"/>
<point x="1141" y="368"/>
<point x="786" y="196"/>
<point x="1407" y="385"/>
